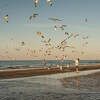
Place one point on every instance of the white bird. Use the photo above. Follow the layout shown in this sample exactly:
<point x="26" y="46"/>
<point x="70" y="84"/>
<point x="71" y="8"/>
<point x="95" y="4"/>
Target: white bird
<point x="36" y="2"/>
<point x="6" y="18"/>
<point x="59" y="27"/>
<point x="54" y="19"/>
<point x="50" y="2"/>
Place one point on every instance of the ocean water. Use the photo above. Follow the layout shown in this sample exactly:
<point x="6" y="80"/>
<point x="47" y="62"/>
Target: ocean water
<point x="41" y="63"/>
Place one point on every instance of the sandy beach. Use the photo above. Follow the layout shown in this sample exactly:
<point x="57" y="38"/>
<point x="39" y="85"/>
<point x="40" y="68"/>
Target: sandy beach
<point x="50" y="84"/>
<point x="26" y="72"/>
<point x="62" y="86"/>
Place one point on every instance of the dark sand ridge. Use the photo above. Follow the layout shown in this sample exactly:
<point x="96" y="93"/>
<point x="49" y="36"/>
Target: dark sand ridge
<point x="12" y="73"/>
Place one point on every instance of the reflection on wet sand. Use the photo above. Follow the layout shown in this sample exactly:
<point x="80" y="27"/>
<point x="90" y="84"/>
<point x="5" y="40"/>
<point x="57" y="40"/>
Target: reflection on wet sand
<point x="90" y="83"/>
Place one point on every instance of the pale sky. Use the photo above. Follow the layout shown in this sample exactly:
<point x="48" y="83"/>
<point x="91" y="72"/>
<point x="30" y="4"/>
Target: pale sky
<point x="73" y="14"/>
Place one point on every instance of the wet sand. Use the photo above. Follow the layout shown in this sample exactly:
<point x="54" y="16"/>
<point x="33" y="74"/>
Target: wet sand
<point x="54" y="96"/>
<point x="26" y="72"/>
<point x="88" y="83"/>
<point x="45" y="87"/>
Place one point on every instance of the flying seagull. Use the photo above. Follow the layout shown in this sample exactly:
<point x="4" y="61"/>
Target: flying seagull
<point x="50" y="2"/>
<point x="34" y="15"/>
<point x="36" y="2"/>
<point x="6" y="17"/>
<point x="55" y="19"/>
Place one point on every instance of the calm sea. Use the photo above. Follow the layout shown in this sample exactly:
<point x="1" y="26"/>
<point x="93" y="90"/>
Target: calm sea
<point x="40" y="63"/>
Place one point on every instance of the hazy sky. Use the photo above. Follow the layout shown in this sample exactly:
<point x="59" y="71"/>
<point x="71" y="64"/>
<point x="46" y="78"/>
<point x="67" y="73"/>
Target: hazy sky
<point x="72" y="12"/>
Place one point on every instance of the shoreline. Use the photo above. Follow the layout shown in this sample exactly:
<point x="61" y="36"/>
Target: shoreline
<point x="27" y="72"/>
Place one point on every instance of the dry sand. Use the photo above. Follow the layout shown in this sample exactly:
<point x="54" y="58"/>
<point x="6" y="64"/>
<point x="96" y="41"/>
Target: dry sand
<point x="12" y="73"/>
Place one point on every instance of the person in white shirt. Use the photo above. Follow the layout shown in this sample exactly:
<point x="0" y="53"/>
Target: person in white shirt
<point x="77" y="64"/>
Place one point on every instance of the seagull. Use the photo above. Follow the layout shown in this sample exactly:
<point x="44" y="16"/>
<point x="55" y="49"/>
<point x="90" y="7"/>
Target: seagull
<point x="66" y="33"/>
<point x="6" y="18"/>
<point x="36" y="2"/>
<point x="62" y="27"/>
<point x="34" y="15"/>
<point x="54" y="19"/>
<point x="76" y="35"/>
<point x="22" y="43"/>
<point x="40" y="33"/>
<point x="59" y="27"/>
<point x="50" y="2"/>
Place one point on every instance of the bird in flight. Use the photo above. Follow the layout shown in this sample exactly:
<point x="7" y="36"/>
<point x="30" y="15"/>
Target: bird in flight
<point x="6" y="17"/>
<point x="36" y="2"/>
<point x="55" y="19"/>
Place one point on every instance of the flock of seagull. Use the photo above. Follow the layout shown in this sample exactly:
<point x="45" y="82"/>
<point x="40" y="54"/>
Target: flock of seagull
<point x="47" y="46"/>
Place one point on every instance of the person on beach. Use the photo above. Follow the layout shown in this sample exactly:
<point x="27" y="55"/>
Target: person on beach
<point x="44" y="63"/>
<point x="68" y="65"/>
<point x="61" y="68"/>
<point x="77" y="64"/>
<point x="61" y="65"/>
